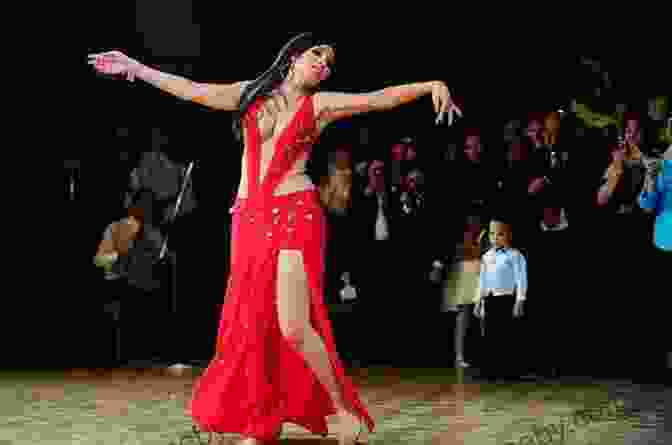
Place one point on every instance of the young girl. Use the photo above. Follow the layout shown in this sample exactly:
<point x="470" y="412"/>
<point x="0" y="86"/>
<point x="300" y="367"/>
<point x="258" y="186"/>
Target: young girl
<point x="460" y="287"/>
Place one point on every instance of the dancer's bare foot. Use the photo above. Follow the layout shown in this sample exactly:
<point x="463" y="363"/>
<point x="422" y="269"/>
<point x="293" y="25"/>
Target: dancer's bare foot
<point x="253" y="441"/>
<point x="221" y="439"/>
<point x="349" y="428"/>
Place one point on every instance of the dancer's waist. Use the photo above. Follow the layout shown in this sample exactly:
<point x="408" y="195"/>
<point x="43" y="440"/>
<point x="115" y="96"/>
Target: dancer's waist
<point x="258" y="204"/>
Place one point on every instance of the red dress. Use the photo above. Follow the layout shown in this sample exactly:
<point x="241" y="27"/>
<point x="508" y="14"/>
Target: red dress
<point x="256" y="381"/>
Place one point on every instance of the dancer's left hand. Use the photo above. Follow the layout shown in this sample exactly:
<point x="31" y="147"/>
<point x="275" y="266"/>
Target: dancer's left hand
<point x="443" y="103"/>
<point x="518" y="309"/>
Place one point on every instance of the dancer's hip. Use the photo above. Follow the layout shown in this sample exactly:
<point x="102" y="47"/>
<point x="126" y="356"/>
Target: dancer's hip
<point x="291" y="221"/>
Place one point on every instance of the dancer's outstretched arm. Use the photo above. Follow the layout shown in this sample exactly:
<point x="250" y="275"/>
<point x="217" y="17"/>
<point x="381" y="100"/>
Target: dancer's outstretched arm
<point x="218" y="96"/>
<point x="331" y="107"/>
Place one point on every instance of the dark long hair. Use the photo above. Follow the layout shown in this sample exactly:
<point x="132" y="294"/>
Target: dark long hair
<point x="263" y="85"/>
<point x="142" y="209"/>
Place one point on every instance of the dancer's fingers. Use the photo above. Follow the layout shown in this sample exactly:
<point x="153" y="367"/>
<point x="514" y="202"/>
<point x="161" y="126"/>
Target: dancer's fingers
<point x="435" y="101"/>
<point x="99" y="55"/>
<point x="446" y="109"/>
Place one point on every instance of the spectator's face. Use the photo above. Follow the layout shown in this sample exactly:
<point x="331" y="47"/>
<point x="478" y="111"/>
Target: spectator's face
<point x="534" y="130"/>
<point x="411" y="153"/>
<point x="632" y="132"/>
<point x="472" y="148"/>
<point x="413" y="181"/>
<point x="552" y="122"/>
<point x="472" y="232"/>
<point x="342" y="158"/>
<point x="376" y="171"/>
<point x="500" y="234"/>
<point x="398" y="152"/>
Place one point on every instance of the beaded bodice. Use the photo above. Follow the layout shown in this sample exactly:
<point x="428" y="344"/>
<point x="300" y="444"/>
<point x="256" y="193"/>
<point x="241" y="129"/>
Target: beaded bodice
<point x="268" y="168"/>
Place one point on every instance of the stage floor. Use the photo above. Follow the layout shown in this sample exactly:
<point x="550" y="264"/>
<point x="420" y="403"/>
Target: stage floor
<point x="410" y="406"/>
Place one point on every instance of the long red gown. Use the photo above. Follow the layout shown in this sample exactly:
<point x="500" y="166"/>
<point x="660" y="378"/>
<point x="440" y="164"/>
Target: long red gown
<point x="256" y="381"/>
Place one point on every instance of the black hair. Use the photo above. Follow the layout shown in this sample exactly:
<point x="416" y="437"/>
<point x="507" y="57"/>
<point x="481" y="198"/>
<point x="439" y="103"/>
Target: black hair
<point x="263" y="85"/>
<point x="143" y="206"/>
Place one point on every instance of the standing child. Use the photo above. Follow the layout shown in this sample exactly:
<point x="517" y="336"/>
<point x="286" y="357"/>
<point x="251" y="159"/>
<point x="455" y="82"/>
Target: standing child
<point x="503" y="288"/>
<point x="460" y="286"/>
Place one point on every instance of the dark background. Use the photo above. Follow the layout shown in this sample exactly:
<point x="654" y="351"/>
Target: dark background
<point x="497" y="77"/>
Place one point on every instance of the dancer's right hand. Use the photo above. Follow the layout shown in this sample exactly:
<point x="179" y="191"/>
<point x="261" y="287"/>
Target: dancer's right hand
<point x="115" y="62"/>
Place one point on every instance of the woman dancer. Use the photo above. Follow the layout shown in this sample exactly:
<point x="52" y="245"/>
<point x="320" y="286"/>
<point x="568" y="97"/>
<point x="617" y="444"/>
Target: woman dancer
<point x="275" y="358"/>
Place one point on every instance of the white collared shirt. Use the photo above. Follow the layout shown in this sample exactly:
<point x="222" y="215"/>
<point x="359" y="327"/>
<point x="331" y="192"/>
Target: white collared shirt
<point x="503" y="272"/>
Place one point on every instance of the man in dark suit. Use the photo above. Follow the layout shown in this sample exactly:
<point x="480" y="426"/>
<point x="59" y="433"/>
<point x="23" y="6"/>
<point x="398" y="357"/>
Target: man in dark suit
<point x="378" y="264"/>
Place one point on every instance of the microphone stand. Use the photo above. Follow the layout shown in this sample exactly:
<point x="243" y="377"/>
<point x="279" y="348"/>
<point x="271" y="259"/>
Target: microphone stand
<point x="179" y="364"/>
<point x="73" y="179"/>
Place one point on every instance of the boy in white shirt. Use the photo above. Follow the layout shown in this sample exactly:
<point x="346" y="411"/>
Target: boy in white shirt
<point x="503" y="288"/>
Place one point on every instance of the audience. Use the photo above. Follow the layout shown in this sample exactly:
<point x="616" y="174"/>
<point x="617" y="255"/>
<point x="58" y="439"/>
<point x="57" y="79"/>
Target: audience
<point x="336" y="190"/>
<point x="376" y="241"/>
<point x="398" y="224"/>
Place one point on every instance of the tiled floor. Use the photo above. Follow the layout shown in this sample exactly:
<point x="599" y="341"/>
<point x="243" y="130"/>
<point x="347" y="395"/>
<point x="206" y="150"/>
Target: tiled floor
<point x="411" y="406"/>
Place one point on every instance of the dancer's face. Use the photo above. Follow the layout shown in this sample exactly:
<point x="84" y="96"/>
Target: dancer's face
<point x="314" y="65"/>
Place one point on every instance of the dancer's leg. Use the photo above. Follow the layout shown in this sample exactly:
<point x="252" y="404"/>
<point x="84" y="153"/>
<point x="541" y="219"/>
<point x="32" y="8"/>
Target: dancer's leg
<point x="294" y="318"/>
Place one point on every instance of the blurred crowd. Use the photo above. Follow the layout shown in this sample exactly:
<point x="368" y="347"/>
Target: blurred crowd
<point x="581" y="202"/>
<point x="587" y="208"/>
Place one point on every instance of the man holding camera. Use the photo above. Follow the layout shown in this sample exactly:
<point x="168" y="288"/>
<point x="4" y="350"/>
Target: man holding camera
<point x="656" y="197"/>
<point x="377" y="249"/>
<point x="550" y="197"/>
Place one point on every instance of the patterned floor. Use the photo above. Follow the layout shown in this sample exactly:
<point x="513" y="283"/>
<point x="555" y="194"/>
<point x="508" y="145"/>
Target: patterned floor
<point x="410" y="406"/>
